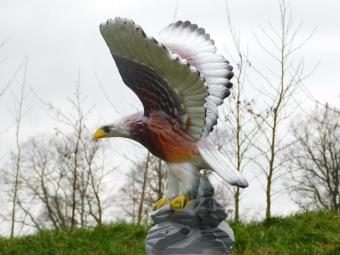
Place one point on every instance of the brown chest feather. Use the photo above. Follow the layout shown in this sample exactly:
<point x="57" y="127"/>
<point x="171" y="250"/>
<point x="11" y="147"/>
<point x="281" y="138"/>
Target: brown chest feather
<point x="168" y="141"/>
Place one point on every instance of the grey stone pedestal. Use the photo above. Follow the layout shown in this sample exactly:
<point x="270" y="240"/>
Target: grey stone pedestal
<point x="196" y="230"/>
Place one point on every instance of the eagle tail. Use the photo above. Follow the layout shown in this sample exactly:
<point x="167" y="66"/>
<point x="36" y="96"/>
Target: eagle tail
<point x="217" y="163"/>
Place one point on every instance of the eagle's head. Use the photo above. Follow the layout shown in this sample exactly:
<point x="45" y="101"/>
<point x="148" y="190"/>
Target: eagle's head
<point x="125" y="127"/>
<point x="111" y="130"/>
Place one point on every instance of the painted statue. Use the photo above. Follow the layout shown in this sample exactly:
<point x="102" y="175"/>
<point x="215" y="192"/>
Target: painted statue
<point x="181" y="81"/>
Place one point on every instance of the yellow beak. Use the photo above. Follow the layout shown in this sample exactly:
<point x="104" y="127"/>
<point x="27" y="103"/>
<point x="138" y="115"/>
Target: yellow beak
<point x="100" y="133"/>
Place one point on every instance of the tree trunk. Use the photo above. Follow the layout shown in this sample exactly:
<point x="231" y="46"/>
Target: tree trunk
<point x="237" y="205"/>
<point x="14" y="200"/>
<point x="74" y="179"/>
<point x="268" y="198"/>
<point x="238" y="151"/>
<point x="160" y="192"/>
<point x="18" y="160"/>
<point x="141" y="203"/>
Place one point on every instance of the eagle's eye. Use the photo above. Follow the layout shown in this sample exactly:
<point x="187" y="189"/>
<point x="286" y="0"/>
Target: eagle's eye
<point x="106" y="129"/>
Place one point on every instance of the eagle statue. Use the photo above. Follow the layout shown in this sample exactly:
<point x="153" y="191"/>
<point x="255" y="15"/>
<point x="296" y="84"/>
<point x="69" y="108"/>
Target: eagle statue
<point x="181" y="81"/>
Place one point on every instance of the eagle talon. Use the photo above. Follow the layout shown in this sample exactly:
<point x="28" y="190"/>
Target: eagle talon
<point x="162" y="202"/>
<point x="179" y="202"/>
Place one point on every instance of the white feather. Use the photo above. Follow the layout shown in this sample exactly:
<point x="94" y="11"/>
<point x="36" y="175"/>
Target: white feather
<point x="184" y="178"/>
<point x="200" y="51"/>
<point x="217" y="163"/>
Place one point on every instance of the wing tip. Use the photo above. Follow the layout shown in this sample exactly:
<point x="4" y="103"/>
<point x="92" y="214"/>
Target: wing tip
<point x="194" y="28"/>
<point x="116" y="20"/>
<point x="241" y="183"/>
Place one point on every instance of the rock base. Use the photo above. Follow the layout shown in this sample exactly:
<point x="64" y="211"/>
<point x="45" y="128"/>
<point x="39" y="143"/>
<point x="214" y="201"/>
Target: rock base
<point x="197" y="229"/>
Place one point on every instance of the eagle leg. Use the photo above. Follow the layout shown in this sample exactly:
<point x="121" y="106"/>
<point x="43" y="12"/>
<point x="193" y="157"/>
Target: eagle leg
<point x="179" y="202"/>
<point x="162" y="202"/>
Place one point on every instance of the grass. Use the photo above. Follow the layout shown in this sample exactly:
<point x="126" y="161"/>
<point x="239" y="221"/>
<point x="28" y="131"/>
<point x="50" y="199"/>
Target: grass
<point x="309" y="233"/>
<point x="117" y="239"/>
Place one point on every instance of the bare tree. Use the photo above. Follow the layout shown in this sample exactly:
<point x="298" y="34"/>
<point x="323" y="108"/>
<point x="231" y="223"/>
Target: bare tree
<point x="158" y="175"/>
<point x="238" y="131"/>
<point x="282" y="80"/>
<point x="64" y="173"/>
<point x="129" y="195"/>
<point x="18" y="119"/>
<point x="12" y="171"/>
<point x="132" y="194"/>
<point x="144" y="187"/>
<point x="145" y="176"/>
<point x="234" y="141"/>
<point x="315" y="170"/>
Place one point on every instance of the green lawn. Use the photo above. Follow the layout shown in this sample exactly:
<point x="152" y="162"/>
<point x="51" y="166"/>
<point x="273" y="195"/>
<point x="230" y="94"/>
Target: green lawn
<point x="308" y="233"/>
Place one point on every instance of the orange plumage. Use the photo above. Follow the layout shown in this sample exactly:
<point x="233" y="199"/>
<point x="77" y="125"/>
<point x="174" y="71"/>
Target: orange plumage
<point x="170" y="142"/>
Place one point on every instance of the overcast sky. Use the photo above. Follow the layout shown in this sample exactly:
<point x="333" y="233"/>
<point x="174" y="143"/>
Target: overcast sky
<point x="61" y="39"/>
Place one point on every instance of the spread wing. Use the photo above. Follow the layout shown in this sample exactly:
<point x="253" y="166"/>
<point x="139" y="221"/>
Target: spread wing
<point x="162" y="80"/>
<point x="194" y="45"/>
